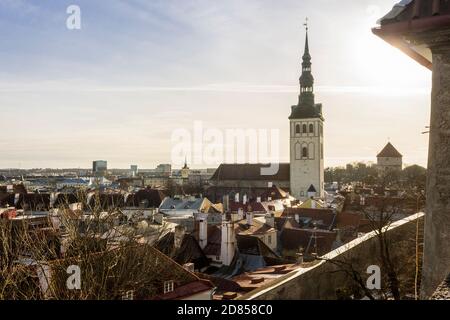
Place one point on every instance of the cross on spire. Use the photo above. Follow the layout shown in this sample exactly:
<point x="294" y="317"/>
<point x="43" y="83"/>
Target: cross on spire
<point x="306" y="24"/>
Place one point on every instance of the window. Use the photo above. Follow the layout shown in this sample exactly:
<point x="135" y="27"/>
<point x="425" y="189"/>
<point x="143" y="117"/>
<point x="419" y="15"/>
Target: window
<point x="168" y="286"/>
<point x="304" y="152"/>
<point x="298" y="155"/>
<point x="311" y="128"/>
<point x="269" y="239"/>
<point x="297" y="128"/>
<point x="128" y="295"/>
<point x="304" y="128"/>
<point x="311" y="150"/>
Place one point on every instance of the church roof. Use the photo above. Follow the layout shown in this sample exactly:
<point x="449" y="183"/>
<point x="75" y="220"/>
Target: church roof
<point x="250" y="171"/>
<point x="306" y="111"/>
<point x="389" y="151"/>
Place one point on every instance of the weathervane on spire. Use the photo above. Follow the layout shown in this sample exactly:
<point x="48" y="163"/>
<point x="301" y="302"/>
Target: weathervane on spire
<point x="306" y="24"/>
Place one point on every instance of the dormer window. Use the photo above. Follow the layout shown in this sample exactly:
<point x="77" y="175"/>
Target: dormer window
<point x="128" y="295"/>
<point x="168" y="286"/>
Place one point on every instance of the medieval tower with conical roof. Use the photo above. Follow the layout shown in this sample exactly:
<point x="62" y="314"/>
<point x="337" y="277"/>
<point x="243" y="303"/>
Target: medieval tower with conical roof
<point x="306" y="137"/>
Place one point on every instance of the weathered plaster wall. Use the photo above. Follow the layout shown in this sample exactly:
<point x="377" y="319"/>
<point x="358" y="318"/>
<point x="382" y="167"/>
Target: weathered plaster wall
<point x="320" y="282"/>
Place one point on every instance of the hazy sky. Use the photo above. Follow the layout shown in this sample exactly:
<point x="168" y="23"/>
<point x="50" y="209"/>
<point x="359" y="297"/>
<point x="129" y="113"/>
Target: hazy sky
<point x="140" y="69"/>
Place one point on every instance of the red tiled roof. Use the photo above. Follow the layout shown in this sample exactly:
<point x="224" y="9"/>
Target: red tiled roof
<point x="187" y="290"/>
<point x="250" y="171"/>
<point x="326" y="215"/>
<point x="248" y="207"/>
<point x="293" y="239"/>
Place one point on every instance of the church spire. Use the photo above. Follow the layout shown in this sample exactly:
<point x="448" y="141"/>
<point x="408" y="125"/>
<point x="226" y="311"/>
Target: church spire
<point x="306" y="53"/>
<point x="306" y="79"/>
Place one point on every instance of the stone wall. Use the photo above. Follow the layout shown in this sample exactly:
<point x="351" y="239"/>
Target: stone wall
<point x="437" y="225"/>
<point x="321" y="280"/>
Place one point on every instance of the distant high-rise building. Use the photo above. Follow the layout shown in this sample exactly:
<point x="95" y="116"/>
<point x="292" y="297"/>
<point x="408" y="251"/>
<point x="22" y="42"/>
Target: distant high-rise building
<point x="133" y="170"/>
<point x="306" y="137"/>
<point x="99" y="167"/>
<point x="164" y="169"/>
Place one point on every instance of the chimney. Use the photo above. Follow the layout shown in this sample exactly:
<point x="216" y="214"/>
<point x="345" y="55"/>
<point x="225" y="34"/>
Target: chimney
<point x="240" y="213"/>
<point x="270" y="219"/>
<point x="236" y="197"/>
<point x="226" y="203"/>
<point x="249" y="218"/>
<point x="244" y="199"/>
<point x="258" y="199"/>
<point x="158" y="218"/>
<point x="16" y="198"/>
<point x="270" y="184"/>
<point x="297" y="218"/>
<point x="189" y="267"/>
<point x="178" y="236"/>
<point x="313" y="203"/>
<point x="203" y="233"/>
<point x="299" y="258"/>
<point x="227" y="244"/>
<point x="53" y="198"/>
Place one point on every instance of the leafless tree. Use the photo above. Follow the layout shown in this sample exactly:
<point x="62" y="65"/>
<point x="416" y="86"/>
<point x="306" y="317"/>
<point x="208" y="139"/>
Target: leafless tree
<point x="114" y="256"/>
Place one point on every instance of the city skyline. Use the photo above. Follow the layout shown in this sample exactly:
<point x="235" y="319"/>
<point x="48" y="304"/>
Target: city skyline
<point x="72" y="98"/>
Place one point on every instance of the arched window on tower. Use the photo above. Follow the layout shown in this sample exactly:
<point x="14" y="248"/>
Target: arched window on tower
<point x="298" y="154"/>
<point x="304" y="128"/>
<point x="311" y="150"/>
<point x="311" y="128"/>
<point x="304" y="152"/>
<point x="297" y="128"/>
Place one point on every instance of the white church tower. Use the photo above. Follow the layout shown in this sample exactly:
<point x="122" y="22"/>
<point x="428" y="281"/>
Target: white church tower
<point x="306" y="137"/>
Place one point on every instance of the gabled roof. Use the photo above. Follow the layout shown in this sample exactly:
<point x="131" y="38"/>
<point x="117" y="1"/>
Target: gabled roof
<point x="311" y="189"/>
<point x="310" y="240"/>
<point x="275" y="193"/>
<point x="253" y="206"/>
<point x="250" y="171"/>
<point x="327" y="216"/>
<point x="389" y="151"/>
<point x="312" y="204"/>
<point x="254" y="246"/>
<point x="257" y="227"/>
<point x="181" y="204"/>
<point x="189" y="250"/>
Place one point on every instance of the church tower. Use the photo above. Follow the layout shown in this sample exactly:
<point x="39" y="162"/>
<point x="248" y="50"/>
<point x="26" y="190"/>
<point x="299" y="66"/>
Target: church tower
<point x="306" y="137"/>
